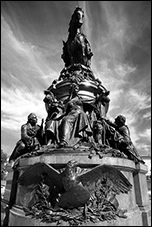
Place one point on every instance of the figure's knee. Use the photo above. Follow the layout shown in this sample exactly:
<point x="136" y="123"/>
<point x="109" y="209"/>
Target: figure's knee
<point x="18" y="150"/>
<point x="49" y="137"/>
<point x="21" y="146"/>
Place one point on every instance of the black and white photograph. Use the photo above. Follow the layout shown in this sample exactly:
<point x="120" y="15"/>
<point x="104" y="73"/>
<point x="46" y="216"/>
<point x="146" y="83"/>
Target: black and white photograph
<point x="75" y="113"/>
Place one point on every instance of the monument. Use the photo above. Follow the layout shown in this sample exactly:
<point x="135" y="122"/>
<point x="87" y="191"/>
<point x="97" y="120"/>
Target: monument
<point x="79" y="168"/>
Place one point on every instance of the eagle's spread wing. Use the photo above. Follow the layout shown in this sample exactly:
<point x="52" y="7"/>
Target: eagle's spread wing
<point x="34" y="174"/>
<point x="119" y="182"/>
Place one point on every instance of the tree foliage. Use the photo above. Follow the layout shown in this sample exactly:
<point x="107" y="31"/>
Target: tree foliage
<point x="3" y="157"/>
<point x="3" y="166"/>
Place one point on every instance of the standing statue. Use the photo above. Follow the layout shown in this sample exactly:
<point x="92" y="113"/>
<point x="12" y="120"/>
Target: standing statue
<point x="77" y="48"/>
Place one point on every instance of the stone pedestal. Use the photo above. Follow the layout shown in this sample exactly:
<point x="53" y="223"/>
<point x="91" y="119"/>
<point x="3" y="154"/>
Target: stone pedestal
<point x="136" y="201"/>
<point x="142" y="197"/>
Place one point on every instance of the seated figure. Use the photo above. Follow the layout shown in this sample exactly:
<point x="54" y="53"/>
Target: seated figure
<point x="31" y="137"/>
<point x="121" y="137"/>
<point x="75" y="124"/>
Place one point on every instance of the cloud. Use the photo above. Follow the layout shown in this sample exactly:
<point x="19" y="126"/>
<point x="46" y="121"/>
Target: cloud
<point x="147" y="115"/>
<point x="116" y="20"/>
<point x="146" y="134"/>
<point x="143" y="149"/>
<point x="124" y="70"/>
<point x="137" y="100"/>
<point x="24" y="61"/>
<point x="17" y="104"/>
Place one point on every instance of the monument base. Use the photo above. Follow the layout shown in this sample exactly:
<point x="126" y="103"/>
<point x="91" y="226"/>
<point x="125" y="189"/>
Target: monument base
<point x="136" y="202"/>
<point x="18" y="218"/>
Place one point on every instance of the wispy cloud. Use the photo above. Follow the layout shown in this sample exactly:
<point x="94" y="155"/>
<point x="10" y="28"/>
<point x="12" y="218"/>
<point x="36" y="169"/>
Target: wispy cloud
<point x="137" y="101"/>
<point x="124" y="70"/>
<point x="25" y="74"/>
<point x="24" y="60"/>
<point x="147" y="115"/>
<point x="146" y="134"/>
<point x="116" y="20"/>
<point x="17" y="104"/>
<point x="144" y="149"/>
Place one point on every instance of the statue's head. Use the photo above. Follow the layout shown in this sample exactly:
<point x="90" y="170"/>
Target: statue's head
<point x="76" y="19"/>
<point x="120" y="120"/>
<point x="72" y="163"/>
<point x="32" y="118"/>
<point x="78" y="15"/>
<point x="49" y="98"/>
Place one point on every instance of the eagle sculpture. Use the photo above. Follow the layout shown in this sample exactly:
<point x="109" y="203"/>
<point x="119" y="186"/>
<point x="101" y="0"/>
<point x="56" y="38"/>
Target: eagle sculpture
<point x="73" y="188"/>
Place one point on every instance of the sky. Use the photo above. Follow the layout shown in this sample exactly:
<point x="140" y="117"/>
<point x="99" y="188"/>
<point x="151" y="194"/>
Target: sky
<point x="119" y="33"/>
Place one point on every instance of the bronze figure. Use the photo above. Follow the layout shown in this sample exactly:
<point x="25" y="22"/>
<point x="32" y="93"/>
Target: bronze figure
<point x="54" y="110"/>
<point x="75" y="124"/>
<point x="77" y="49"/>
<point x="76" y="104"/>
<point x="121" y="137"/>
<point x="31" y="137"/>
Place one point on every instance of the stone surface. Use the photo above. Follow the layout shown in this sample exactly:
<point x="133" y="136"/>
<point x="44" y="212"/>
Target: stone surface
<point x="18" y="218"/>
<point x="136" y="202"/>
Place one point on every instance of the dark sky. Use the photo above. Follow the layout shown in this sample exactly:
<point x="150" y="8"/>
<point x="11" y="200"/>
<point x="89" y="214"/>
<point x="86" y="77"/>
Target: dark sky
<point x="31" y="46"/>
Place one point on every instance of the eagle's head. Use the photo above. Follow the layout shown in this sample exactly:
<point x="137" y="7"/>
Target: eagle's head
<point x="72" y="164"/>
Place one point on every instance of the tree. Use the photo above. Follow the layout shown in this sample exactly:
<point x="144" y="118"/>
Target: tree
<point x="3" y="157"/>
<point x="3" y="164"/>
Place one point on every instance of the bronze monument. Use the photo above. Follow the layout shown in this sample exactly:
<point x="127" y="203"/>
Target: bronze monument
<point x="56" y="187"/>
